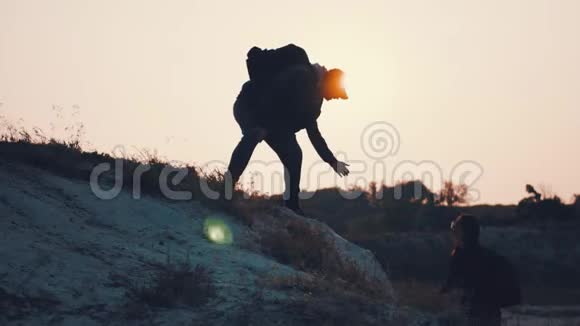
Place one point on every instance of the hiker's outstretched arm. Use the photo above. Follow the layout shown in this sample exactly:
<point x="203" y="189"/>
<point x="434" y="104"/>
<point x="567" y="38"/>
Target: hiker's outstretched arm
<point x="320" y="144"/>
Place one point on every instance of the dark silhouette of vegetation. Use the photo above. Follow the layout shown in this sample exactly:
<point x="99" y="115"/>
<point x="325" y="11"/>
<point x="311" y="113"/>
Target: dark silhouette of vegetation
<point x="403" y="207"/>
<point x="536" y="196"/>
<point x="453" y="194"/>
<point x="173" y="285"/>
<point x="543" y="207"/>
<point x="15" y="306"/>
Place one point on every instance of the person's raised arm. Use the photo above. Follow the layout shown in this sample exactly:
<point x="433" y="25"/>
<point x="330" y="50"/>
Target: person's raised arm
<point x="323" y="151"/>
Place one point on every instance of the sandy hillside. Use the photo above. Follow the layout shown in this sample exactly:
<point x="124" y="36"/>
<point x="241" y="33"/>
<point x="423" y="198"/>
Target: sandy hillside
<point x="69" y="258"/>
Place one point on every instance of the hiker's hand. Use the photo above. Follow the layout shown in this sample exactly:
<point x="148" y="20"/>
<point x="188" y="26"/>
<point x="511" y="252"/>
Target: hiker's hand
<point x="341" y="168"/>
<point x="259" y="133"/>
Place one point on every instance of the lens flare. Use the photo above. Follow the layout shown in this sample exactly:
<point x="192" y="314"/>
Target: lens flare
<point x="216" y="234"/>
<point x="217" y="231"/>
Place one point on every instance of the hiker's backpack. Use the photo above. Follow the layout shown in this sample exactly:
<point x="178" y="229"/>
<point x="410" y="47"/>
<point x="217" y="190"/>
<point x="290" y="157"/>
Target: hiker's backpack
<point x="504" y="285"/>
<point x="264" y="65"/>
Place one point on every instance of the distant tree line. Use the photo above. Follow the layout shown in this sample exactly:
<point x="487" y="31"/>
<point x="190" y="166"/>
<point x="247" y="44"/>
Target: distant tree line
<point x="412" y="206"/>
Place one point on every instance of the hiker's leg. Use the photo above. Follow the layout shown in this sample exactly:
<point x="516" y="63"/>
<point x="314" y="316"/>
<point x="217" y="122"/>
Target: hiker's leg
<point x="241" y="156"/>
<point x="251" y="137"/>
<point x="289" y="152"/>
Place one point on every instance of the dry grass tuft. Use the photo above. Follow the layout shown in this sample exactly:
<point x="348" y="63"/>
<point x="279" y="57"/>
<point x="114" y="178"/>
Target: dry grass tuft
<point x="174" y="285"/>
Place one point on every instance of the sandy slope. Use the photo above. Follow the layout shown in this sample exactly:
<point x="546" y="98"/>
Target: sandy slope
<point x="65" y="255"/>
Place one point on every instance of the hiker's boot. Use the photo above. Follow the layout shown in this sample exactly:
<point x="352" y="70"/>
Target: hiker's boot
<point x="294" y="206"/>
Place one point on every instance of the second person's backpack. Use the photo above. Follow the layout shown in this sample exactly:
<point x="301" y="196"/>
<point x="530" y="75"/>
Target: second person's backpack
<point x="264" y="65"/>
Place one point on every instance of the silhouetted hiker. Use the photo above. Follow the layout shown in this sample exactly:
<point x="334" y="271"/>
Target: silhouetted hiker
<point x="487" y="279"/>
<point x="284" y="95"/>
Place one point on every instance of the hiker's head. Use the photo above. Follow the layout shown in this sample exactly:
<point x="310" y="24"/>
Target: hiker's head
<point x="333" y="85"/>
<point x="465" y="231"/>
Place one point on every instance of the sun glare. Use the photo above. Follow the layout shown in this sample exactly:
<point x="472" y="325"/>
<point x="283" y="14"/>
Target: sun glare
<point x="343" y="82"/>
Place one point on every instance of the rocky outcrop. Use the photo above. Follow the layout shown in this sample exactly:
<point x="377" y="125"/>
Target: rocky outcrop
<point x="347" y="252"/>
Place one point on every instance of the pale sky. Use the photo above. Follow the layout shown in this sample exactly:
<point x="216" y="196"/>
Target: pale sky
<point x="496" y="82"/>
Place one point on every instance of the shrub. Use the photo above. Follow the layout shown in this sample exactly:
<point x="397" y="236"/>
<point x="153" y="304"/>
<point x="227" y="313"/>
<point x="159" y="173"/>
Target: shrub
<point x="18" y="306"/>
<point x="547" y="208"/>
<point x="452" y="194"/>
<point x="174" y="285"/>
